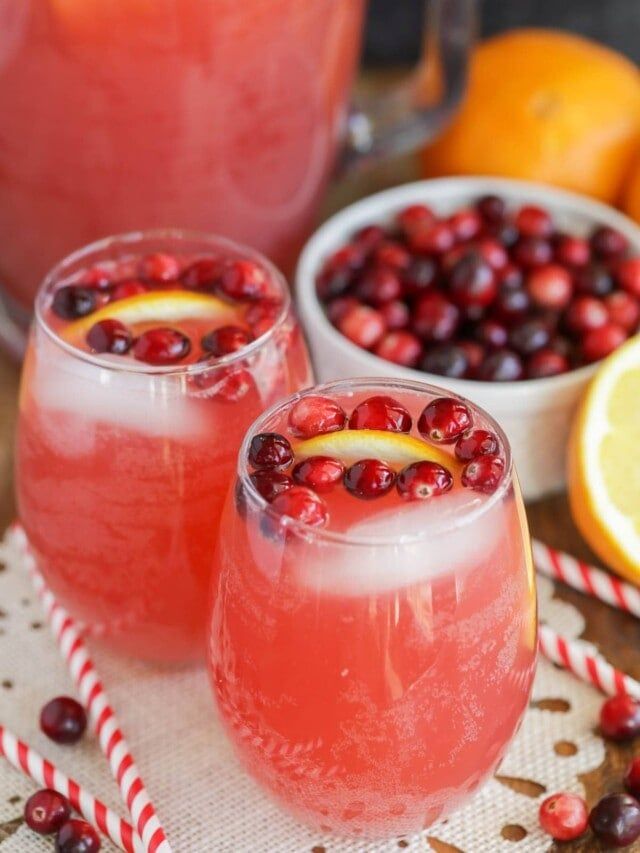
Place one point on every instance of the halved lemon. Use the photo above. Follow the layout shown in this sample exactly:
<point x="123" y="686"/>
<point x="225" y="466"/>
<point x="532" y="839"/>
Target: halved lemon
<point x="604" y="462"/>
<point x="162" y="306"/>
<point x="396" y="449"/>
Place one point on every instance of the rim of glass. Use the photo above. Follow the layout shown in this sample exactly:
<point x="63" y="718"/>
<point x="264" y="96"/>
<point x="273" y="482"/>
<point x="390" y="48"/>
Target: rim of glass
<point x="129" y="240"/>
<point x="374" y="384"/>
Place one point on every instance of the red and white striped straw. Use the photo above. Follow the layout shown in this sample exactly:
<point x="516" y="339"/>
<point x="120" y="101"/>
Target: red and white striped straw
<point x="592" y="669"/>
<point x="94" y="697"/>
<point x="585" y="578"/>
<point x="25" y="759"/>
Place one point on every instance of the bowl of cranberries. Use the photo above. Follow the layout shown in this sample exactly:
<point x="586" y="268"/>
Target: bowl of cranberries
<point x="507" y="292"/>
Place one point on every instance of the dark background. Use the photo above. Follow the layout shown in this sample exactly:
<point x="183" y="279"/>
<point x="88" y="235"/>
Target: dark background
<point x="393" y="32"/>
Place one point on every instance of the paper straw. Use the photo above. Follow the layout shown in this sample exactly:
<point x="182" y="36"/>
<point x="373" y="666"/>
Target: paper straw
<point x="585" y="578"/>
<point x="94" y="698"/>
<point x="25" y="759"/>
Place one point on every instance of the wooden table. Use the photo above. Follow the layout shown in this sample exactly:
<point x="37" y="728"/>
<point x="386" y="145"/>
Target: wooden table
<point x="618" y="635"/>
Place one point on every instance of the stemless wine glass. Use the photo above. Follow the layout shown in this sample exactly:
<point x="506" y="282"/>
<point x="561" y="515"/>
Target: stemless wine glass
<point x="372" y="672"/>
<point x="121" y="465"/>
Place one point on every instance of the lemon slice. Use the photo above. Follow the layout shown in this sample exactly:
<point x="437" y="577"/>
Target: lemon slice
<point x="396" y="449"/>
<point x="604" y="462"/>
<point x="163" y="306"/>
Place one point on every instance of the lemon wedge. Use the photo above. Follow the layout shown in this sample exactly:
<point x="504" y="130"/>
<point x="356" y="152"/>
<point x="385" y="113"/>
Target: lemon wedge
<point x="604" y="462"/>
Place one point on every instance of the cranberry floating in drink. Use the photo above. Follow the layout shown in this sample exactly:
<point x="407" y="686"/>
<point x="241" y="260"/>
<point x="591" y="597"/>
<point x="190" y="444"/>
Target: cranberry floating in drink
<point x="150" y="356"/>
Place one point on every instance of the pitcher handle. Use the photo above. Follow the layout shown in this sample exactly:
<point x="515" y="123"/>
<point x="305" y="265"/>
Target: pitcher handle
<point x="419" y="107"/>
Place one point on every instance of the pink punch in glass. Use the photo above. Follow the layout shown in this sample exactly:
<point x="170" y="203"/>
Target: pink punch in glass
<point x="372" y="640"/>
<point x="149" y="357"/>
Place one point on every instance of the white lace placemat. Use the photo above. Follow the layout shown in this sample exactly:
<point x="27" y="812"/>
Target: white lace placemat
<point x="205" y="800"/>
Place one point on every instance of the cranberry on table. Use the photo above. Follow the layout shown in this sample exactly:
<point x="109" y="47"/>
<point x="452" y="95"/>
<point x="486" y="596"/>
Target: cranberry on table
<point x="608" y="243"/>
<point x="620" y="718"/>
<point x="632" y="778"/>
<point x="623" y="309"/>
<point x="444" y="420"/>
<point x="484" y="473"/>
<point x="628" y="275"/>
<point x="546" y="362"/>
<point x="572" y="251"/>
<point x="270" y="483"/>
<point x="77" y="836"/>
<point x="550" y="286"/>
<point x="586" y="313"/>
<point x="46" y="811"/>
<point x="301" y="504"/>
<point x="244" y="280"/>
<point x="369" y="478"/>
<point x="316" y="415"/>
<point x="601" y="342"/>
<point x="380" y="412"/>
<point x="422" y="480"/>
<point x="225" y="340"/>
<point x="503" y="365"/>
<point x="63" y="720"/>
<point x="477" y="442"/>
<point x="435" y="318"/>
<point x="72" y="301"/>
<point x="270" y="450"/>
<point x="161" y="347"/>
<point x="472" y="281"/>
<point x="564" y="816"/>
<point x="533" y="221"/>
<point x="400" y="347"/>
<point x="615" y="820"/>
<point x="110" y="336"/>
<point x="378" y="285"/>
<point x="446" y="360"/>
<point x="159" y="267"/>
<point x="363" y="326"/>
<point x="320" y="473"/>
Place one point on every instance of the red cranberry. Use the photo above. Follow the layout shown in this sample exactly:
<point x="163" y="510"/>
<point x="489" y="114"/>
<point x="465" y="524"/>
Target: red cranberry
<point x="492" y="208"/>
<point x="510" y="277"/>
<point x="564" y="816"/>
<point x="628" y="275"/>
<point x="493" y="253"/>
<point x="586" y="313"/>
<point x="270" y="484"/>
<point x="159" y="267"/>
<point x="316" y="415"/>
<point x="532" y="252"/>
<point x="363" y="326"/>
<point x="46" y="811"/>
<point x="472" y="281"/>
<point x="474" y="353"/>
<point x="444" y="420"/>
<point x="632" y="778"/>
<point x="511" y="304"/>
<point x="96" y="277"/>
<point x="395" y="314"/>
<point x="615" y="820"/>
<point x="63" y="720"/>
<point x="503" y="365"/>
<point x="623" y="309"/>
<point x="435" y="318"/>
<point x="129" y="287"/>
<point x="422" y="480"/>
<point x="446" y="360"/>
<point x="550" y="286"/>
<point x="572" y="251"/>
<point x="203" y="274"/>
<point x="389" y="253"/>
<point x="433" y="239"/>
<point x="110" y="336"/>
<point x="483" y="474"/>
<point x="528" y="336"/>
<point x="338" y="307"/>
<point x="532" y="221"/>
<point x="477" y="442"/>
<point x="369" y="236"/>
<point x="400" y="347"/>
<point x="261" y="316"/>
<point x="244" y="280"/>
<point x="608" y="243"/>
<point x="466" y="224"/>
<point x="369" y="478"/>
<point x="270" y="450"/>
<point x="593" y="280"/>
<point x="413" y="215"/>
<point x="378" y="285"/>
<point x="77" y="836"/>
<point x="72" y="301"/>
<point x="451" y="258"/>
<point x="320" y="473"/>
<point x="505" y="233"/>
<point x="225" y="340"/>
<point x="232" y="384"/>
<point x="380" y="412"/>
<point x="420" y="275"/>
<point x="546" y="362"/>
<point x="161" y="346"/>
<point x="620" y="718"/>
<point x="601" y="342"/>
<point x="491" y="334"/>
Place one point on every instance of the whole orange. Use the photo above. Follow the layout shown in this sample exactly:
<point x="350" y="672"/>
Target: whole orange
<point x="546" y="106"/>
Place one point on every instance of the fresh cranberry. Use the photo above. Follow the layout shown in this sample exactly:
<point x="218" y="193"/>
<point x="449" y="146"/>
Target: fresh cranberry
<point x="572" y="251"/>
<point x="420" y="275"/>
<point x="338" y="307"/>
<point x="632" y="778"/>
<point x="451" y="258"/>
<point x="332" y="283"/>
<point x="232" y="384"/>
<point x="466" y="224"/>
<point x="128" y="288"/>
<point x="73" y="301"/>
<point x="435" y="318"/>
<point x="628" y="276"/>
<point x="77" y="836"/>
<point x="400" y="347"/>
<point x="503" y="365"/>
<point x="203" y="274"/>
<point x="316" y="415"/>
<point x="270" y="484"/>
<point x="483" y="474"/>
<point x="492" y="208"/>
<point x="225" y="340"/>
<point x="510" y="277"/>
<point x="378" y="285"/>
<point x="46" y="811"/>
<point x="550" y="286"/>
<point x="528" y="336"/>
<point x="624" y="310"/>
<point x="159" y="267"/>
<point x="369" y="236"/>
<point x="620" y="718"/>
<point x="422" y="480"/>
<point x="446" y="360"/>
<point x="491" y="334"/>
<point x="63" y="720"/>
<point x="532" y="252"/>
<point x="564" y="816"/>
<point x="472" y="281"/>
<point x="546" y="362"/>
<point x="476" y="442"/>
<point x="96" y="277"/>
<point x="444" y="420"/>
<point x="395" y="315"/>
<point x="615" y="820"/>
<point x="380" y="412"/>
<point x="533" y="221"/>
<point x="320" y="473"/>
<point x="244" y="280"/>
<point x="608" y="243"/>
<point x="586" y="313"/>
<point x="413" y="215"/>
<point x="593" y="280"/>
<point x="493" y="252"/>
<point x="389" y="253"/>
<point x="432" y="238"/>
<point x="474" y="353"/>
<point x="363" y="326"/>
<point x="369" y="478"/>
<point x="270" y="450"/>
<point x="110" y="336"/>
<point x="601" y="342"/>
<point x="161" y="346"/>
<point x="261" y="315"/>
<point x="511" y="304"/>
<point x="505" y="233"/>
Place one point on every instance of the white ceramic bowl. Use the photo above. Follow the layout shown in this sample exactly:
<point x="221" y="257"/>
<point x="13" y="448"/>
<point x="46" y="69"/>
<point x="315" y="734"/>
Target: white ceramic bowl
<point x="535" y="414"/>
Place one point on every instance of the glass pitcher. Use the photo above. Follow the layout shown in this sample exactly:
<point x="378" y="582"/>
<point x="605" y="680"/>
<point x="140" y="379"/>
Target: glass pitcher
<point x="214" y="115"/>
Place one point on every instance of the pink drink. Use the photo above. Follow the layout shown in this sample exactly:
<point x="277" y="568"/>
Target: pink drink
<point x="216" y="115"/>
<point x="123" y="460"/>
<point x="372" y="670"/>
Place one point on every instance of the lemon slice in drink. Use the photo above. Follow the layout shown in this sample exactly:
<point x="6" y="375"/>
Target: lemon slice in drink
<point x="396" y="449"/>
